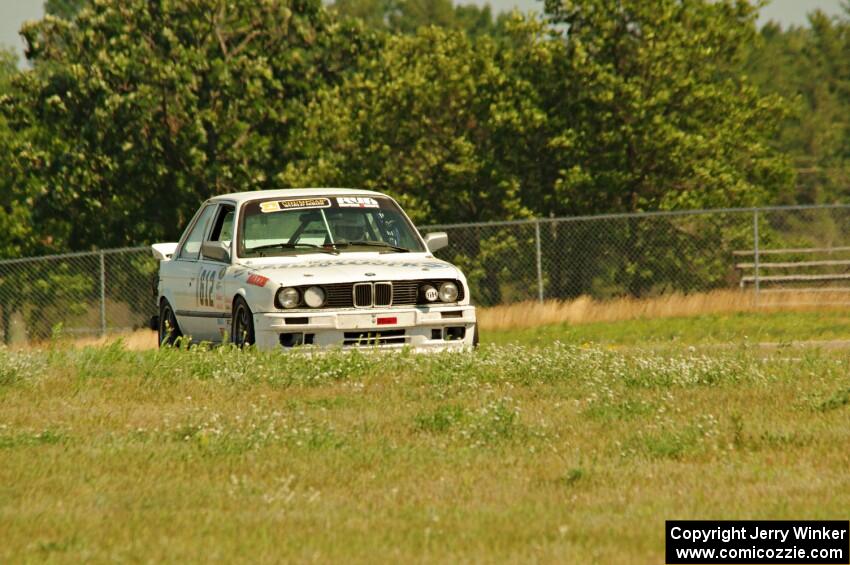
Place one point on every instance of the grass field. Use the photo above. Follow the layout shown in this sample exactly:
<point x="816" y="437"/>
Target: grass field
<point x="738" y="329"/>
<point x="531" y="449"/>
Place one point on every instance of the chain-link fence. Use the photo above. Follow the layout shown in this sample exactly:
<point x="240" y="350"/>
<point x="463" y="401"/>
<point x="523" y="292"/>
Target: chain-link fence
<point x="759" y="251"/>
<point x="78" y="294"/>
<point x="764" y="250"/>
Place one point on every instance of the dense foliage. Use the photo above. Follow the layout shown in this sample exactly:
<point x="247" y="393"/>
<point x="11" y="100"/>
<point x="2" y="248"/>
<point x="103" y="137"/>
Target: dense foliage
<point x="447" y="124"/>
<point x="15" y="228"/>
<point x="811" y="68"/>
<point x="136" y="111"/>
<point x="132" y="111"/>
<point x="63" y="8"/>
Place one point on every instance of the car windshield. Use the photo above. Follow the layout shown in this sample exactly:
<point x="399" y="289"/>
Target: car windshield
<point x="333" y="224"/>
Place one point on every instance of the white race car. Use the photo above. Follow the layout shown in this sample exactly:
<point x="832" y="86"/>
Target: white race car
<point x="311" y="267"/>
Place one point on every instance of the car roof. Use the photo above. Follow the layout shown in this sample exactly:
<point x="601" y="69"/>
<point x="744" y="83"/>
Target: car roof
<point x="240" y="197"/>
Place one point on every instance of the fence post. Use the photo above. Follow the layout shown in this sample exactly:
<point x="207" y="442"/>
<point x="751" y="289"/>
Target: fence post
<point x="102" y="293"/>
<point x="539" y="261"/>
<point x="757" y="285"/>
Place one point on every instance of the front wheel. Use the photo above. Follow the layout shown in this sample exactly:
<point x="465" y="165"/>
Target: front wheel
<point x="475" y="336"/>
<point x="169" y="331"/>
<point x="242" y="324"/>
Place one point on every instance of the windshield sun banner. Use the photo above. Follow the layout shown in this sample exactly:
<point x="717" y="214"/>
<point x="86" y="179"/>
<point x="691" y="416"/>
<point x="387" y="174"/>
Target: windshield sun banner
<point x="294" y="204"/>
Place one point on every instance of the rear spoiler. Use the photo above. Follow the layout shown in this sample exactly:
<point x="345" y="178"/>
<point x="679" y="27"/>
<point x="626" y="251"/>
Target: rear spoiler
<point x="163" y="251"/>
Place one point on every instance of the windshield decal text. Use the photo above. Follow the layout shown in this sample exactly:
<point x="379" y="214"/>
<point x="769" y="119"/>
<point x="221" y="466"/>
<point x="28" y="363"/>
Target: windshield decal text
<point x="356" y="202"/>
<point x="293" y="204"/>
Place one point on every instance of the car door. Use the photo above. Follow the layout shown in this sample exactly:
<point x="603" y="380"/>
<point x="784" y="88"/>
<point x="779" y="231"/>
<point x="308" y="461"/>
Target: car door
<point x="212" y="304"/>
<point x="184" y="275"/>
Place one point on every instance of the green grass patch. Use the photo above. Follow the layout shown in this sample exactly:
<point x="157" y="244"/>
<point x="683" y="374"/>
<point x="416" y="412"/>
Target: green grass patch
<point x="512" y="453"/>
<point x="838" y="400"/>
<point x="741" y="328"/>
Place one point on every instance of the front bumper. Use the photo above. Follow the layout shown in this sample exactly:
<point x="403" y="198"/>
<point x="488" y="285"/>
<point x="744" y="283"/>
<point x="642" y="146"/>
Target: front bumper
<point x="419" y="328"/>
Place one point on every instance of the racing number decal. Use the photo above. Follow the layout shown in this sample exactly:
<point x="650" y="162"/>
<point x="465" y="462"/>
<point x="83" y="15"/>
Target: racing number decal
<point x="206" y="286"/>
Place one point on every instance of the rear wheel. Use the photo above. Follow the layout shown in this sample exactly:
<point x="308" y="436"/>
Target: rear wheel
<point x="169" y="331"/>
<point x="242" y="324"/>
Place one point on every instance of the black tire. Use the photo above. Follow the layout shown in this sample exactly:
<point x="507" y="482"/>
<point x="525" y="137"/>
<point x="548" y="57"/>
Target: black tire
<point x="169" y="331"/>
<point x="241" y="324"/>
<point x="475" y="336"/>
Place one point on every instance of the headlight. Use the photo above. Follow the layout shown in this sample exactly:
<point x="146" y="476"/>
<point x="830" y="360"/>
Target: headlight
<point x="448" y="292"/>
<point x="430" y="293"/>
<point x="314" y="296"/>
<point x="288" y="297"/>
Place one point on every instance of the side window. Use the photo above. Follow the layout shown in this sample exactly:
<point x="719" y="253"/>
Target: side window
<point x="223" y="226"/>
<point x="192" y="246"/>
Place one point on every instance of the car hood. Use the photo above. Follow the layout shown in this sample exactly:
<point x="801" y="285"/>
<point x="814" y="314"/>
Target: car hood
<point x="350" y="267"/>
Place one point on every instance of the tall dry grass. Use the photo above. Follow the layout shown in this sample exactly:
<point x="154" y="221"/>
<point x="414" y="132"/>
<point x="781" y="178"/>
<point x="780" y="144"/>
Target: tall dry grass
<point x="584" y="310"/>
<point x="138" y="340"/>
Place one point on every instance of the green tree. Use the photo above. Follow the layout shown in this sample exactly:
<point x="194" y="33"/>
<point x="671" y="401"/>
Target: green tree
<point x="655" y="112"/>
<point x="139" y="110"/>
<point x="809" y="65"/>
<point x="437" y="119"/>
<point x="8" y="66"/>
<point x="448" y="125"/>
<point x="618" y="106"/>
<point x="16" y="234"/>
<point x="407" y="16"/>
<point x="66" y="9"/>
<point x="374" y="13"/>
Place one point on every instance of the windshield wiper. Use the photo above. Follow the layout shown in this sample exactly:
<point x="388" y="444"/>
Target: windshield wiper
<point x="284" y="245"/>
<point x="372" y="244"/>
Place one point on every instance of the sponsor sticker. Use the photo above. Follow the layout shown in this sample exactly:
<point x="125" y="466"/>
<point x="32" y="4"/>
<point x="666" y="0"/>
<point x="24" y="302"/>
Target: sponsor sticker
<point x="356" y="202"/>
<point x="257" y="280"/>
<point x="294" y="204"/>
<point x="424" y="266"/>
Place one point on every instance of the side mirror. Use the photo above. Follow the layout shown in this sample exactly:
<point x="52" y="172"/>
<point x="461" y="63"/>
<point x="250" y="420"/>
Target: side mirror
<point x="436" y="240"/>
<point x="216" y="250"/>
<point x="163" y="251"/>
